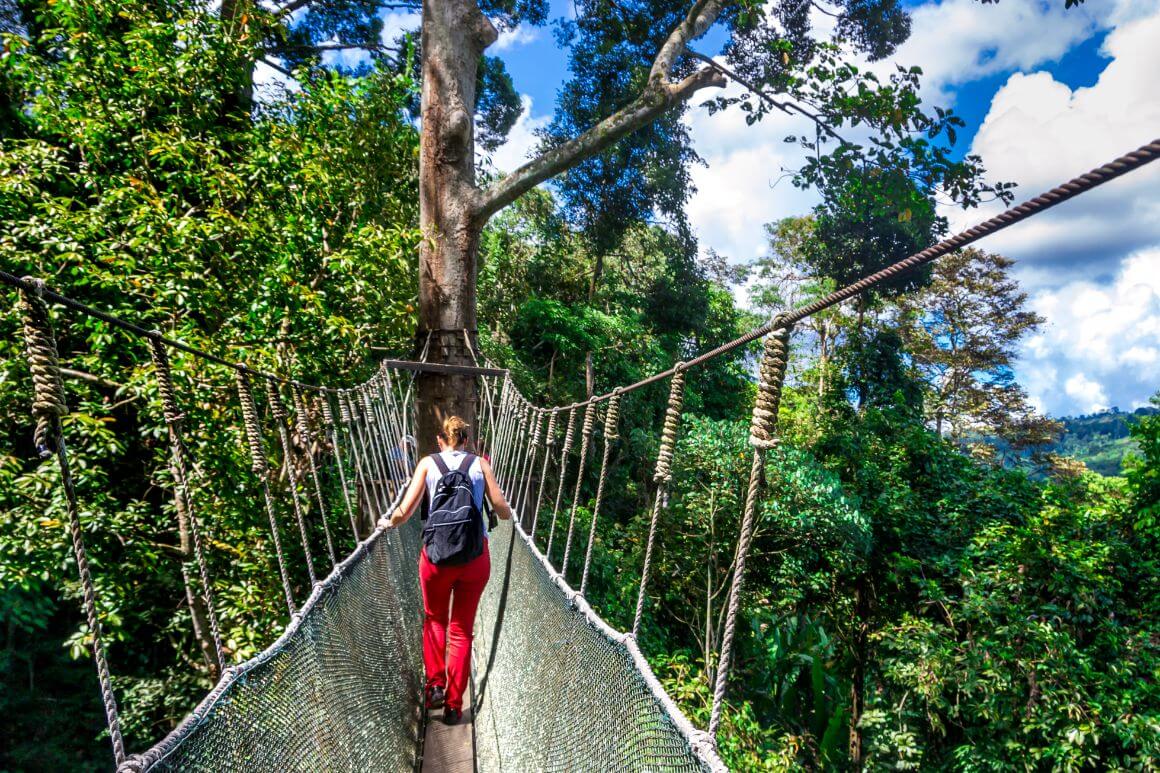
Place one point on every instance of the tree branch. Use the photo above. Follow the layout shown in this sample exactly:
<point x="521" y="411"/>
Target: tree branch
<point x="656" y="98"/>
<point x="789" y="108"/>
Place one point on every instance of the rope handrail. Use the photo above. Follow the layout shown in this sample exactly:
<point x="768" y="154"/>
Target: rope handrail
<point x="33" y="285"/>
<point x="1128" y="162"/>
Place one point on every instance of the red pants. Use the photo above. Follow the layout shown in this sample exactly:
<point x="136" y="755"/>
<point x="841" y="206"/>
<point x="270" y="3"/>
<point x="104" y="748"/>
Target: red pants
<point x="466" y="581"/>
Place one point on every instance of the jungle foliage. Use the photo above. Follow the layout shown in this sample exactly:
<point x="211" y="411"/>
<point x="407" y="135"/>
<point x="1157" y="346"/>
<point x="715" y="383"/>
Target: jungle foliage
<point x="911" y="601"/>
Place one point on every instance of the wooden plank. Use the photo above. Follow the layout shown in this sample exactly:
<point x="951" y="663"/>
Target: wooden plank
<point x="449" y="748"/>
<point x="435" y="367"/>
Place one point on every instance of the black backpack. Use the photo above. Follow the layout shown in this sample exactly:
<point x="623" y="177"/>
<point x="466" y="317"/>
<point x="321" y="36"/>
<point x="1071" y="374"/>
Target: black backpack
<point x="453" y="533"/>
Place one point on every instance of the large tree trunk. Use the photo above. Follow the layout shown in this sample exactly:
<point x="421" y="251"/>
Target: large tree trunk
<point x="454" y="35"/>
<point x="858" y="678"/>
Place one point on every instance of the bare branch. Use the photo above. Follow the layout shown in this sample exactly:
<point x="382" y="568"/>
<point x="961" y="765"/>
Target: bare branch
<point x="657" y="97"/>
<point x="789" y="108"/>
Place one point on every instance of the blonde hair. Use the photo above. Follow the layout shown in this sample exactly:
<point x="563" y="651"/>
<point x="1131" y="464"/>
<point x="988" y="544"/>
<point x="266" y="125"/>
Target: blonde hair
<point x="455" y="431"/>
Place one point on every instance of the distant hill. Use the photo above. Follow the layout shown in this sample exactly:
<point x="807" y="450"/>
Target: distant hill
<point x="1100" y="440"/>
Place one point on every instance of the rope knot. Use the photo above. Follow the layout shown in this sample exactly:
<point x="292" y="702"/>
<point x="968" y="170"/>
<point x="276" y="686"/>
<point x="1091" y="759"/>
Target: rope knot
<point x="258" y="461"/>
<point x="589" y="420"/>
<point x="763" y="428"/>
<point x="612" y="417"/>
<point x="48" y="403"/>
<point x="277" y="404"/>
<point x="163" y="370"/>
<point x="550" y="437"/>
<point x="327" y="412"/>
<point x="664" y="468"/>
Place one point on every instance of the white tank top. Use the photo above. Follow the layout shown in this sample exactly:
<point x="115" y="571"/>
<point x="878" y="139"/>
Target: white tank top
<point x="475" y="472"/>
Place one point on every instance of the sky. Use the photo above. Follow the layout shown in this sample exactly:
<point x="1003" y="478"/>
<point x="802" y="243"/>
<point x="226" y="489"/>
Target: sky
<point x="1047" y="94"/>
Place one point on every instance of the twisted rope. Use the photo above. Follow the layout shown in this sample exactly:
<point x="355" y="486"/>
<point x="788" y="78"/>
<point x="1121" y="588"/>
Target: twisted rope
<point x="48" y="405"/>
<point x="664" y="468"/>
<point x="611" y="422"/>
<point x="549" y="441"/>
<point x="1128" y="162"/>
<point x="281" y="415"/>
<point x="664" y="473"/>
<point x="182" y="499"/>
<point x="567" y="448"/>
<point x="585" y="441"/>
<point x="261" y="468"/>
<point x="762" y="436"/>
<point x="305" y="437"/>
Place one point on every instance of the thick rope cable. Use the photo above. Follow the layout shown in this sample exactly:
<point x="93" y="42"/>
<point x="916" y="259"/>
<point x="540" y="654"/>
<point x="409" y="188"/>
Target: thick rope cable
<point x="549" y="441"/>
<point x="281" y="416"/>
<point x="762" y="436"/>
<point x="306" y="438"/>
<point x="585" y="441"/>
<point x="662" y="476"/>
<point x="48" y="406"/>
<point x="566" y="449"/>
<point x="328" y="420"/>
<point x="1126" y="163"/>
<point x="182" y="498"/>
<point x="261" y="468"/>
<point x="611" y="434"/>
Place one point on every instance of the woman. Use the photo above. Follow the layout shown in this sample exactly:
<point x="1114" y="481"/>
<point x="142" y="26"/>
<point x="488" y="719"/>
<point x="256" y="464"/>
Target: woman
<point x="447" y="628"/>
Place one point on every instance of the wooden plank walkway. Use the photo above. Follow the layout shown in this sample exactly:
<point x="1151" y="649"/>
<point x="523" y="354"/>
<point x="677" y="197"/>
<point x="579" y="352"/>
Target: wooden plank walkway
<point x="449" y="748"/>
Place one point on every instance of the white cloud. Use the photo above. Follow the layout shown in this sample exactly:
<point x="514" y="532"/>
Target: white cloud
<point x="521" y="140"/>
<point x="1089" y="394"/>
<point x="1039" y="132"/>
<point x="517" y="36"/>
<point x="958" y="41"/>
<point x="1100" y="345"/>
<point x="745" y="182"/>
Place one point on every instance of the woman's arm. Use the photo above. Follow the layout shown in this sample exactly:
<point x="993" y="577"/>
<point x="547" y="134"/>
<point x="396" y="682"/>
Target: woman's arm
<point x="410" y="500"/>
<point x="493" y="492"/>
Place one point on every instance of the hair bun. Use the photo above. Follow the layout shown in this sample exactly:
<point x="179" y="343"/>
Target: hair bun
<point x="455" y="431"/>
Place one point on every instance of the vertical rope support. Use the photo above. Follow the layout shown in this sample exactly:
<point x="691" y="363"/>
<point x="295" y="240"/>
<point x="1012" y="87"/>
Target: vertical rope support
<point x="48" y="406"/>
<point x="569" y="433"/>
<point x="537" y="433"/>
<point x="662" y="476"/>
<point x="585" y="441"/>
<point x="549" y="441"/>
<point x="306" y="438"/>
<point x="182" y="499"/>
<point x="519" y="455"/>
<point x="762" y="436"/>
<point x="611" y="434"/>
<point x="261" y="468"/>
<point x="281" y="416"/>
<point x="328" y="419"/>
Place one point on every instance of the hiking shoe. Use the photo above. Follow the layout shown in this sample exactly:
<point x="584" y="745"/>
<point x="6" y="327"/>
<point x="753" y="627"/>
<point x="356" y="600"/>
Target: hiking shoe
<point x="452" y="716"/>
<point x="434" y="697"/>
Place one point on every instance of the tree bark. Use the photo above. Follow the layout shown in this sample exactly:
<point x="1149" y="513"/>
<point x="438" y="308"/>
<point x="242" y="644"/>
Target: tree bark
<point x="454" y="35"/>
<point x="453" y="211"/>
<point x="858" y="678"/>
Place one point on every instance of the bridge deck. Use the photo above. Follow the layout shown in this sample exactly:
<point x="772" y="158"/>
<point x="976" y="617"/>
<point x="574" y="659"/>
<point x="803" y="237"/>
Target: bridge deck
<point x="449" y="748"/>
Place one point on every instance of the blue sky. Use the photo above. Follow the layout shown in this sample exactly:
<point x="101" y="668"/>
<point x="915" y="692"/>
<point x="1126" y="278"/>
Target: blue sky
<point x="1047" y="93"/>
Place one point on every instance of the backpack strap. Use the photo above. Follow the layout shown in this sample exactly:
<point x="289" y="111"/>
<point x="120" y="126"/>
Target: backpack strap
<point x="468" y="460"/>
<point x="442" y="465"/>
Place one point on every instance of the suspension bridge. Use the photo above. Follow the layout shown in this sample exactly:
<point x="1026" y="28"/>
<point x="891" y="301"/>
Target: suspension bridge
<point x="554" y="686"/>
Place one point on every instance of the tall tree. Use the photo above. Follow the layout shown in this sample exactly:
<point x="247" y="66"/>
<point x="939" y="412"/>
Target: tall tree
<point x="962" y="330"/>
<point x="772" y="49"/>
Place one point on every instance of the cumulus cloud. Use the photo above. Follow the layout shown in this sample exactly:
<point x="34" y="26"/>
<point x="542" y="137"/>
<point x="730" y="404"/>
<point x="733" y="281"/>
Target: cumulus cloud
<point x="959" y="41"/>
<point x="517" y="36"/>
<point x="1100" y="345"/>
<point x="521" y="140"/>
<point x="1039" y="132"/>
